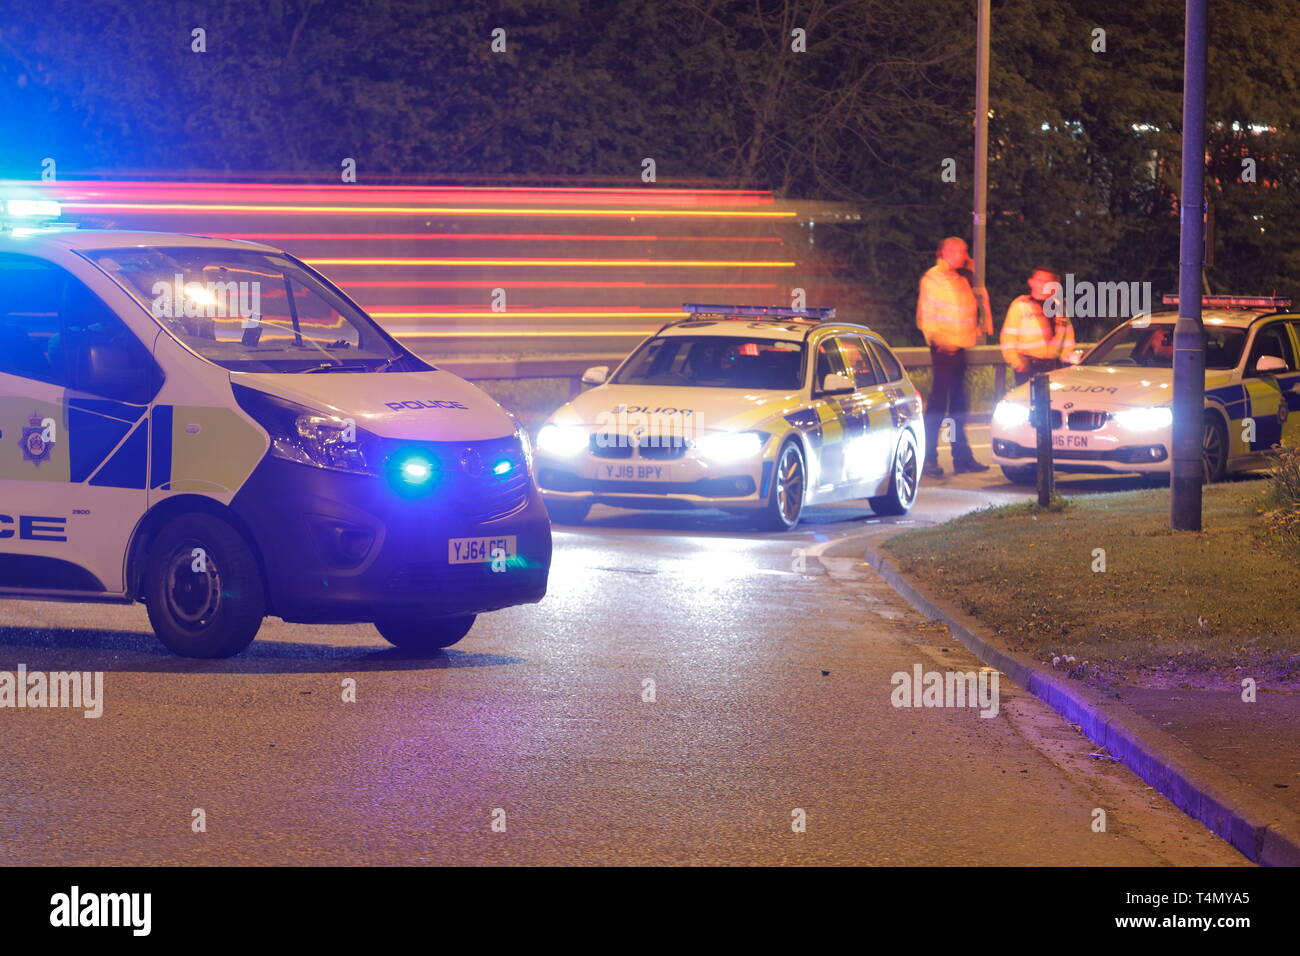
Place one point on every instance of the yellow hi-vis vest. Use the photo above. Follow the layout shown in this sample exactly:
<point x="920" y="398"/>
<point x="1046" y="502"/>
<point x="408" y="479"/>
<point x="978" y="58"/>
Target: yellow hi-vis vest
<point x="1029" y="333"/>
<point x="946" y="312"/>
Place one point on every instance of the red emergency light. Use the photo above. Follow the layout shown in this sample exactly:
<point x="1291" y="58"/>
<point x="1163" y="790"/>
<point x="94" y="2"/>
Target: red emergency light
<point x="1237" y="301"/>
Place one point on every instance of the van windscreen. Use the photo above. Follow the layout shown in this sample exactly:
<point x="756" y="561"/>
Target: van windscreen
<point x="251" y="311"/>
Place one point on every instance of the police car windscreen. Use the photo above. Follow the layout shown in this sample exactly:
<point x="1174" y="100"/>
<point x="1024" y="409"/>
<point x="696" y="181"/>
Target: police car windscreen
<point x="1152" y="346"/>
<point x="714" y="361"/>
<point x="251" y="311"/>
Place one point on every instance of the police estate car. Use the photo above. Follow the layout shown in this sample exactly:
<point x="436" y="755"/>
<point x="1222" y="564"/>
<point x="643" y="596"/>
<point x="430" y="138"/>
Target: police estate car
<point x="1111" y="411"/>
<point x="214" y="429"/>
<point x="748" y="409"/>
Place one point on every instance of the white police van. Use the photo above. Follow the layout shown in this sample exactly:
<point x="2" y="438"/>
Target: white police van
<point x="214" y="429"/>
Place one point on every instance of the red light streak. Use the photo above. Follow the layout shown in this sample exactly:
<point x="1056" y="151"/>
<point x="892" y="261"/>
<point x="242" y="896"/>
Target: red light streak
<point x="548" y="263"/>
<point x="380" y="312"/>
<point x="75" y="190"/>
<point x="484" y="236"/>
<point x="517" y="211"/>
<point x="543" y="284"/>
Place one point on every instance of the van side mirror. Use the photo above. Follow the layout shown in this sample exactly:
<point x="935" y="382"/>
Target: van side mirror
<point x="112" y="370"/>
<point x="1270" y="363"/>
<point x="837" y="384"/>
<point x="595" y="375"/>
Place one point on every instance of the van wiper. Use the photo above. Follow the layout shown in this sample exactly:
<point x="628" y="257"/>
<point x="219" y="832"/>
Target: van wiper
<point x="383" y="366"/>
<point x="332" y="367"/>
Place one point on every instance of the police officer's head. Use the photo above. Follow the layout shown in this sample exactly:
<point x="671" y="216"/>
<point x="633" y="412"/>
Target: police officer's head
<point x="1039" y="282"/>
<point x="954" y="252"/>
<point x="1162" y="343"/>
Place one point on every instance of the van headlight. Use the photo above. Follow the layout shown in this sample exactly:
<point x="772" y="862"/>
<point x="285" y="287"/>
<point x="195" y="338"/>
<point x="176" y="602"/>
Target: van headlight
<point x="564" y="441"/>
<point x="310" y="437"/>
<point x="725" y="447"/>
<point x="1147" y="419"/>
<point x="1011" y="414"/>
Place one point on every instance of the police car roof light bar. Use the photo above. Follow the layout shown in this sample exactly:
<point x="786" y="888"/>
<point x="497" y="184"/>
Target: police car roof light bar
<point x="27" y="216"/>
<point x="29" y="209"/>
<point x="1237" y="301"/>
<point x="760" y="311"/>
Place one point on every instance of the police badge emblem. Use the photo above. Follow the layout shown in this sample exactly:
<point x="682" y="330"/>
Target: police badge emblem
<point x="35" y="448"/>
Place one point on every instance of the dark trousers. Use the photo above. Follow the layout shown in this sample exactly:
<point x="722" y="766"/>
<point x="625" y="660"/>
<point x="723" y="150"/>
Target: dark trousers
<point x="947" y="400"/>
<point x="1036" y="365"/>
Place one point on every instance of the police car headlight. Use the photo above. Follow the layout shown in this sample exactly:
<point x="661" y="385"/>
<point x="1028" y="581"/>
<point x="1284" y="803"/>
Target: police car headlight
<point x="563" y="440"/>
<point x="724" y="447"/>
<point x="1144" y="419"/>
<point x="309" y="437"/>
<point x="1011" y="414"/>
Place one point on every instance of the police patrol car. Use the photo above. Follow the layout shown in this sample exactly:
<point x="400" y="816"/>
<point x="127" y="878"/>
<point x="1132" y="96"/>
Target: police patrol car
<point x="748" y="409"/>
<point x="214" y="429"/>
<point x="1111" y="411"/>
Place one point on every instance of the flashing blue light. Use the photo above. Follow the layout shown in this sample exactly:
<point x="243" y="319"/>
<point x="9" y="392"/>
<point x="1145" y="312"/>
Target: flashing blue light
<point x="416" y="470"/>
<point x="760" y="311"/>
<point x="502" y="467"/>
<point x="33" y="208"/>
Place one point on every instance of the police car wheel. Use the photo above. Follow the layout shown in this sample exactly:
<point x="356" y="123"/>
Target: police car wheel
<point x="203" y="588"/>
<point x="1021" y="474"/>
<point x="1214" y="451"/>
<point x="567" y="512"/>
<point x="903" y="484"/>
<point x="785" y="498"/>
<point x="425" y="635"/>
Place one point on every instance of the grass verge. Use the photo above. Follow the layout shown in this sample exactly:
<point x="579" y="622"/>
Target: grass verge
<point x="1169" y="609"/>
<point x="980" y="386"/>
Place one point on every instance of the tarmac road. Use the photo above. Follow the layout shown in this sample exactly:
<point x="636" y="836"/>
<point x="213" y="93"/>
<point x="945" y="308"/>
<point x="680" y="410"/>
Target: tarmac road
<point x="771" y="659"/>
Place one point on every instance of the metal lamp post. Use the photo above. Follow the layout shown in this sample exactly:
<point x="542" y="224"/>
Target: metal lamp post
<point x="1189" y="342"/>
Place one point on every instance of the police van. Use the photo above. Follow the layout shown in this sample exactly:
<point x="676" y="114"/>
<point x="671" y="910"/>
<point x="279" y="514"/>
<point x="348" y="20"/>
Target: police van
<point x="212" y="428"/>
<point x="755" y="410"/>
<point x="1112" y="407"/>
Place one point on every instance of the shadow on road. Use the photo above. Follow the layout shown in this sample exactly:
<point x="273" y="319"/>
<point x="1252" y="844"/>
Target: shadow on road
<point x="98" y="650"/>
<point x="693" y="522"/>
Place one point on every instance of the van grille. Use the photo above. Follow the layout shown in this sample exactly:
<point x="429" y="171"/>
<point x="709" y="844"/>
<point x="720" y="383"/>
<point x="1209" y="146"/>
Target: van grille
<point x="468" y="484"/>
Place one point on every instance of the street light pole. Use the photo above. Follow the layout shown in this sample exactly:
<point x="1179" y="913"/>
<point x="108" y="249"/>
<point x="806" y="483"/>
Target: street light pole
<point x="979" y="217"/>
<point x="1189" y="343"/>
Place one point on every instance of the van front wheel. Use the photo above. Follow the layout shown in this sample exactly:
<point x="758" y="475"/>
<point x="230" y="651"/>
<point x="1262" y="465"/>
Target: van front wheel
<point x="203" y="588"/>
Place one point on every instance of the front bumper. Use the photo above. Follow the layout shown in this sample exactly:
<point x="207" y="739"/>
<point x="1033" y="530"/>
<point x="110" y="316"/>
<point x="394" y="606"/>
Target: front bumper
<point x="310" y="525"/>
<point x="634" y="482"/>
<point x="1105" y="450"/>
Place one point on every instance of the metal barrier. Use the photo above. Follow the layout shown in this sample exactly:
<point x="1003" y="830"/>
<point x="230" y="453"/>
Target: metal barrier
<point x="572" y="367"/>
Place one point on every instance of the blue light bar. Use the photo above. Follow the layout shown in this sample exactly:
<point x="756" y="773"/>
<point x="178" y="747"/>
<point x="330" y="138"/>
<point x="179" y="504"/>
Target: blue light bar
<point x="32" y="209"/>
<point x="31" y="217"/>
<point x="759" y="311"/>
